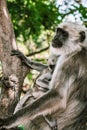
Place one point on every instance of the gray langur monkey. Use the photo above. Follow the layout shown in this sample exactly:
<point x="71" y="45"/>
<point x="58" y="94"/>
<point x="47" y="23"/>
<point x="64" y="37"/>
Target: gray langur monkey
<point x="67" y="98"/>
<point x="45" y="77"/>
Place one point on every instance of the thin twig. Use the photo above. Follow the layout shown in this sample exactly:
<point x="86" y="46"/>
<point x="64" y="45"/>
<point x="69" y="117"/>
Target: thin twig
<point x="37" y="52"/>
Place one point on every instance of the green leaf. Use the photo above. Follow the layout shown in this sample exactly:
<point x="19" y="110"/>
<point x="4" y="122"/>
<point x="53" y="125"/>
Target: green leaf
<point x="21" y="127"/>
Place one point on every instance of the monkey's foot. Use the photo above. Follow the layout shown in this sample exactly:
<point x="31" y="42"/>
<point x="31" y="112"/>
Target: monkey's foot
<point x="52" y="123"/>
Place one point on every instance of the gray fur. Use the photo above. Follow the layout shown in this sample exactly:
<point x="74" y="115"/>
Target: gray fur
<point x="67" y="98"/>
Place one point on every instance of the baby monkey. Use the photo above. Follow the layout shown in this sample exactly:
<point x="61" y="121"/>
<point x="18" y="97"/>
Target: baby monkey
<point x="45" y="70"/>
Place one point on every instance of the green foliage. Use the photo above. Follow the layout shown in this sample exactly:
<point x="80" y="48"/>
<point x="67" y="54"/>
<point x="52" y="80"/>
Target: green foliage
<point x="83" y="11"/>
<point x="21" y="127"/>
<point x="31" y="17"/>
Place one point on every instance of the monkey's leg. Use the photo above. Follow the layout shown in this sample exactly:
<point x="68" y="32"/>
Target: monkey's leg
<point x="30" y="63"/>
<point x="54" y="100"/>
<point x="45" y="105"/>
<point x="43" y="81"/>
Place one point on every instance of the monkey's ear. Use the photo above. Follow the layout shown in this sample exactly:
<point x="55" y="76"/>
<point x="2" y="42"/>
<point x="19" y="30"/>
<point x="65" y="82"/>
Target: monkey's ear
<point x="82" y="36"/>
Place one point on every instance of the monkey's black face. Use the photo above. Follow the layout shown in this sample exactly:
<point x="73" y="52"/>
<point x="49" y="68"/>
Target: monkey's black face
<point x="69" y="36"/>
<point x="60" y="37"/>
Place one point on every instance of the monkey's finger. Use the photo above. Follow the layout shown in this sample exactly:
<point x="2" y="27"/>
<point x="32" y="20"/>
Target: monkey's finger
<point x="16" y="52"/>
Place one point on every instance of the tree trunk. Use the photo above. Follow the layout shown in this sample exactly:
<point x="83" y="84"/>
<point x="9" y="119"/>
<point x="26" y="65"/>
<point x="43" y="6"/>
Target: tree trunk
<point x="13" y="71"/>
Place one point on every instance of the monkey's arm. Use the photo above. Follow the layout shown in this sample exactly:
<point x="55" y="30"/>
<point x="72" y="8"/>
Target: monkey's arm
<point x="53" y="100"/>
<point x="30" y="63"/>
<point x="43" y="106"/>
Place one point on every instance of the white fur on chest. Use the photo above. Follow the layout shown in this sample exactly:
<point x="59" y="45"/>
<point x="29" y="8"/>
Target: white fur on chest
<point x="57" y="71"/>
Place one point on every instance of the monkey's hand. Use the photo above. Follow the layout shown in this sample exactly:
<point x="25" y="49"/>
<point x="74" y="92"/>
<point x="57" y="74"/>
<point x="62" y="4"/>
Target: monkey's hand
<point x="19" y="54"/>
<point x="23" y="58"/>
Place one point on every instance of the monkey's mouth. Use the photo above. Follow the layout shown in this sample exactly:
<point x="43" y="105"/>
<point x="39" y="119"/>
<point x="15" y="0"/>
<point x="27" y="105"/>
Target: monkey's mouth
<point x="57" y="44"/>
<point x="52" y="67"/>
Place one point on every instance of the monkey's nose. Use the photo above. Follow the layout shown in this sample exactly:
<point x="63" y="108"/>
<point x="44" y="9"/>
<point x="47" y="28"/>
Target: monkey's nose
<point x="56" y="43"/>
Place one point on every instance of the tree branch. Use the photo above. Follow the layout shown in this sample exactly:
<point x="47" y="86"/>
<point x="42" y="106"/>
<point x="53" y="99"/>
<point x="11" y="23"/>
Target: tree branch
<point x="13" y="71"/>
<point x="37" y="52"/>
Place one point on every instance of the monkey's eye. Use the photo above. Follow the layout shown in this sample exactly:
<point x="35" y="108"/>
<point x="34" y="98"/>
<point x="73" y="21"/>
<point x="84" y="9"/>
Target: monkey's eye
<point x="62" y="31"/>
<point x="82" y="36"/>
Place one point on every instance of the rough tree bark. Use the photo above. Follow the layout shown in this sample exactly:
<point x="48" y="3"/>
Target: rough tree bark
<point x="13" y="71"/>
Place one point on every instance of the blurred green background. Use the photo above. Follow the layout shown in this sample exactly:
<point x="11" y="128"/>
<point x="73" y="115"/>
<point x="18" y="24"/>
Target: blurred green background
<point x="34" y="23"/>
<point x="34" y="20"/>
